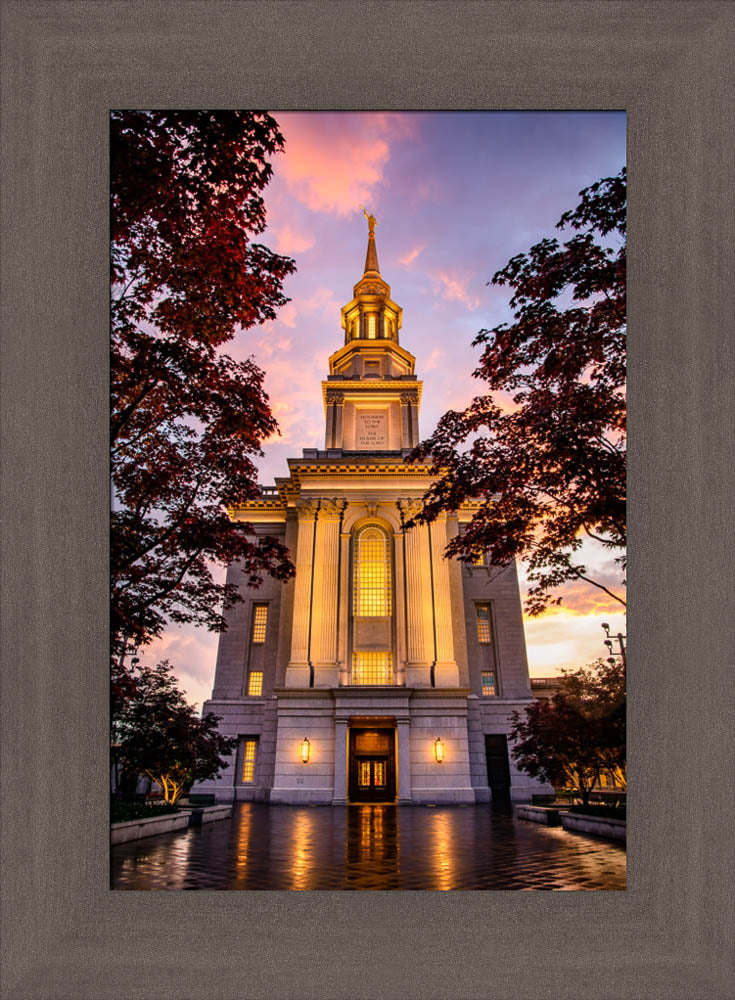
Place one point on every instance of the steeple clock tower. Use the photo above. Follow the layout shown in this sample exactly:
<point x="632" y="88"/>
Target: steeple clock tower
<point x="371" y="395"/>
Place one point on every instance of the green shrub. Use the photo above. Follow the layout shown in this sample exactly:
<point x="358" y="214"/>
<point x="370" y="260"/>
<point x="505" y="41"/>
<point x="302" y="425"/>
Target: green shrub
<point x="603" y="811"/>
<point x="121" y="812"/>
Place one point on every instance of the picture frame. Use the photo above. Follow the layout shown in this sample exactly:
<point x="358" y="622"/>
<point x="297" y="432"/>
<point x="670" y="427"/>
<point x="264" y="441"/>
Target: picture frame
<point x="65" y="65"/>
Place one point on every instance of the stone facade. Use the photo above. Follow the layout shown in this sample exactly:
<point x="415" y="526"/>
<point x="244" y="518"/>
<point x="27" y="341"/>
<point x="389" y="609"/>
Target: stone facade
<point x="378" y="641"/>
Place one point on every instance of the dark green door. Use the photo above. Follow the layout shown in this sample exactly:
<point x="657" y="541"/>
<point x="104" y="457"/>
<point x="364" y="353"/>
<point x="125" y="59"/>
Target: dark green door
<point x="498" y="765"/>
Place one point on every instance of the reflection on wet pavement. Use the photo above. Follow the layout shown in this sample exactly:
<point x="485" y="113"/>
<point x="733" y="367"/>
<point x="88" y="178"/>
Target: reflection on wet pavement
<point x="368" y="847"/>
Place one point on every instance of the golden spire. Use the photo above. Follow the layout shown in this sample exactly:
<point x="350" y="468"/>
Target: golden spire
<point x="371" y="258"/>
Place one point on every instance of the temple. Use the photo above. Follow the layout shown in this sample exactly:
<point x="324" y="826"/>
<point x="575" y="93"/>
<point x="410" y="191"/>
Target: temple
<point x="383" y="672"/>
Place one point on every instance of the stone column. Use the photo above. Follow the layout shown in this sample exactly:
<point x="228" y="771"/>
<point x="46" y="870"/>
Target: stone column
<point x="405" y="435"/>
<point x="283" y="655"/>
<point x="410" y="418"/>
<point x="297" y="672"/>
<point x="404" y="760"/>
<point x="446" y="673"/>
<point x="456" y="588"/>
<point x="401" y="610"/>
<point x="418" y="584"/>
<point x="329" y="435"/>
<point x="340" y="762"/>
<point x="324" y="605"/>
<point x="339" y="408"/>
<point x="343" y="652"/>
<point x="414" y="422"/>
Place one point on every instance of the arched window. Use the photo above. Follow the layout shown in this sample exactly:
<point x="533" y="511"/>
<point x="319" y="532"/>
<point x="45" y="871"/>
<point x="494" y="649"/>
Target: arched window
<point x="372" y="578"/>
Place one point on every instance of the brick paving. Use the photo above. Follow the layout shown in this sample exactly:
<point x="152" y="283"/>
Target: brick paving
<point x="369" y="847"/>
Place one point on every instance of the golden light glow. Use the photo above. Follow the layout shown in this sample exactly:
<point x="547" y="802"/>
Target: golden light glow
<point x="438" y="750"/>
<point x="372" y="583"/>
<point x="255" y="682"/>
<point x="249" y="750"/>
<point x="260" y="621"/>
<point x="305" y="750"/>
<point x="478" y="559"/>
<point x="483" y="622"/>
<point x="372" y="668"/>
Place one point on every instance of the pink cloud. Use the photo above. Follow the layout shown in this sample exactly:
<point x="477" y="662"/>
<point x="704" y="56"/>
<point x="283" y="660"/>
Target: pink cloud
<point x="411" y="256"/>
<point x="335" y="163"/>
<point x="433" y="359"/>
<point x="290" y="242"/>
<point x="453" y="288"/>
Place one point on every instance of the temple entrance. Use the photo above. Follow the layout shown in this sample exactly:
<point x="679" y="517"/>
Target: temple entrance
<point x="372" y="765"/>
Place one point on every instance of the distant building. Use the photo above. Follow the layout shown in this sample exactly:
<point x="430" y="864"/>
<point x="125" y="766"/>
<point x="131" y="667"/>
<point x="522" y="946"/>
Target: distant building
<point x="383" y="671"/>
<point x="545" y="687"/>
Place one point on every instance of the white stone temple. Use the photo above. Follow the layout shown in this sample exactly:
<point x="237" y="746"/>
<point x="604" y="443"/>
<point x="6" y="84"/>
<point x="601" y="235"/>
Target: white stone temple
<point x="383" y="672"/>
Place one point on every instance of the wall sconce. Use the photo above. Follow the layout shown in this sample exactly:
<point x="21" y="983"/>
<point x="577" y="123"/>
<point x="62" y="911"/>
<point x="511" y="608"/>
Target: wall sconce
<point x="305" y="748"/>
<point x="438" y="750"/>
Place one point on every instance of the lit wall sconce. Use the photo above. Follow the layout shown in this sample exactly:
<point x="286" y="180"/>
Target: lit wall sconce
<point x="305" y="748"/>
<point x="438" y="750"/>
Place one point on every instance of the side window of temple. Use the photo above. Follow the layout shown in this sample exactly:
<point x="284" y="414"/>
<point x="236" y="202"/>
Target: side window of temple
<point x="484" y="627"/>
<point x="260" y="624"/>
<point x="248" y="752"/>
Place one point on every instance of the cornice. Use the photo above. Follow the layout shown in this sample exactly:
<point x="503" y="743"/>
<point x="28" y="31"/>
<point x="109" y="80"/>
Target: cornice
<point x="354" y="387"/>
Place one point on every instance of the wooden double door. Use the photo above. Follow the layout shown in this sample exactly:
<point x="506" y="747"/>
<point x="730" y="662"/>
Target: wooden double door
<point x="372" y="765"/>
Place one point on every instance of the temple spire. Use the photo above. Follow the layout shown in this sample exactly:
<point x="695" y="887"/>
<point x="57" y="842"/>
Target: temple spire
<point x="371" y="258"/>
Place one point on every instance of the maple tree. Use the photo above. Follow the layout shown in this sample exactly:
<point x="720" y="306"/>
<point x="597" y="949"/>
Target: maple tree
<point x="549" y="469"/>
<point x="186" y="418"/>
<point x="579" y="734"/>
<point x="157" y="734"/>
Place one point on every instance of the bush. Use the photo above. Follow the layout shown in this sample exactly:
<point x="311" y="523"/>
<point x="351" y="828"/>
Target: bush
<point x="121" y="812"/>
<point x="603" y="811"/>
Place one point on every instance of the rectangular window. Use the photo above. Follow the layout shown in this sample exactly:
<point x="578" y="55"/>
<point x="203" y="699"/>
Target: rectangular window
<point x="249" y="751"/>
<point x="371" y="326"/>
<point x="478" y="559"/>
<point x="372" y="668"/>
<point x="260" y="621"/>
<point x="488" y="682"/>
<point x="255" y="682"/>
<point x="483" y="623"/>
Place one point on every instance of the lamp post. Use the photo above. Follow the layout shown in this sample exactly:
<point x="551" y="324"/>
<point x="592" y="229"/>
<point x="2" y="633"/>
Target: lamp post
<point x="621" y="646"/>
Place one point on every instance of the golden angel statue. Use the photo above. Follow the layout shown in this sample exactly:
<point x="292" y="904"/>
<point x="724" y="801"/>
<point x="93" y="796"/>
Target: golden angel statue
<point x="371" y="222"/>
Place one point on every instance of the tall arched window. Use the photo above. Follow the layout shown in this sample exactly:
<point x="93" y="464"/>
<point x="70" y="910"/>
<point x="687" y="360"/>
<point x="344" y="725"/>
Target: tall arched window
<point x="372" y="598"/>
<point x="372" y="579"/>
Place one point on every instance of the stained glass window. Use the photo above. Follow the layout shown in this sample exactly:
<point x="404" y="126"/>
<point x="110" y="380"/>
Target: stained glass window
<point x="488" y="682"/>
<point x="483" y="622"/>
<point x="372" y="584"/>
<point x="249" y="750"/>
<point x="372" y="668"/>
<point x="260" y="621"/>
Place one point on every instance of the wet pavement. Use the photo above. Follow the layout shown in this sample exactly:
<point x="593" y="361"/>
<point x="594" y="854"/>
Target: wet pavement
<point x="369" y="847"/>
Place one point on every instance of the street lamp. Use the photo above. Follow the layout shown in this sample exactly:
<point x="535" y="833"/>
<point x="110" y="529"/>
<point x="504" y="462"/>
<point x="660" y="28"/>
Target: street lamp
<point x="609" y="643"/>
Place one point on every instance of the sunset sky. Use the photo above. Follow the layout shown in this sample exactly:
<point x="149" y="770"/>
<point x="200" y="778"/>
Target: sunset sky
<point x="456" y="195"/>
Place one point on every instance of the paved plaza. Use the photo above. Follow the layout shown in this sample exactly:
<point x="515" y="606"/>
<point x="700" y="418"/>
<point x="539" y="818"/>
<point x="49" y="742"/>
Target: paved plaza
<point x="368" y="847"/>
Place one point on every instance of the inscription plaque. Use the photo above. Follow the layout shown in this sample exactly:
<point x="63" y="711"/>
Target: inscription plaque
<point x="372" y="429"/>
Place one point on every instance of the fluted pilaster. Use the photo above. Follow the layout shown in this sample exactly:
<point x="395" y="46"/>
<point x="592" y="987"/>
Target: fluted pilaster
<point x="297" y="674"/>
<point x="324" y="608"/>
